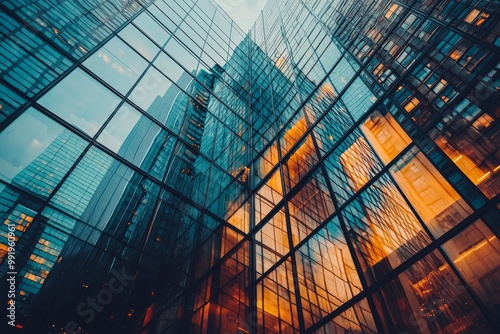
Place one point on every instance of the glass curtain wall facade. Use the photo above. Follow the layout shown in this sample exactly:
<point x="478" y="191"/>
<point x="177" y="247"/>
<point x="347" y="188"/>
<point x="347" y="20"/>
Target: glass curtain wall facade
<point x="334" y="170"/>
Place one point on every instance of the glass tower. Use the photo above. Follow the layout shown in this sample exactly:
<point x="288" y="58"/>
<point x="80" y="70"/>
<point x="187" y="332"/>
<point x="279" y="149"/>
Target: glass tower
<point x="333" y="170"/>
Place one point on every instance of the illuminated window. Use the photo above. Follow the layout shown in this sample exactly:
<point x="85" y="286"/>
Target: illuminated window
<point x="385" y="135"/>
<point x="476" y="254"/>
<point x="355" y="163"/>
<point x="483" y="122"/>
<point x="476" y="17"/>
<point x="412" y="104"/>
<point x="427" y="292"/>
<point x="456" y="54"/>
<point x="375" y="35"/>
<point x="439" y="86"/>
<point x="437" y="203"/>
<point x="279" y="61"/>
<point x="380" y="67"/>
<point x="394" y="9"/>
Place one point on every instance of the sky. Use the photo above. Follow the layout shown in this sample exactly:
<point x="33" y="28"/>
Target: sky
<point x="243" y="12"/>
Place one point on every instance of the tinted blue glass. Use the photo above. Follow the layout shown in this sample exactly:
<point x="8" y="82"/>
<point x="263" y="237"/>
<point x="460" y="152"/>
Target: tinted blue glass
<point x="36" y="152"/>
<point x="117" y="64"/>
<point x="81" y="101"/>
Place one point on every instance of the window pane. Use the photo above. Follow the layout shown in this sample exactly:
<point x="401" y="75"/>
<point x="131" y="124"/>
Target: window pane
<point x="139" y="140"/>
<point x="357" y="319"/>
<point x="179" y="52"/>
<point x="152" y="86"/>
<point x="437" y="203"/>
<point x="385" y="135"/>
<point x="37" y="152"/>
<point x="272" y="242"/>
<point x="342" y="74"/>
<point x="427" y="298"/>
<point x="326" y="272"/>
<point x="75" y="194"/>
<point x="476" y="254"/>
<point x="351" y="166"/>
<point x="311" y="206"/>
<point x="151" y="28"/>
<point x="276" y="301"/>
<point x="117" y="64"/>
<point x="139" y="42"/>
<point x="119" y="128"/>
<point x="169" y="67"/>
<point x="382" y="228"/>
<point x="358" y="98"/>
<point x="81" y="101"/>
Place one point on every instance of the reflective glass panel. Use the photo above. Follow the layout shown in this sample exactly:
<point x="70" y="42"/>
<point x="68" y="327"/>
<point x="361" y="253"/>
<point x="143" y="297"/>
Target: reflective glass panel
<point x="169" y="67"/>
<point x="276" y="303"/>
<point x="435" y="200"/>
<point x="383" y="229"/>
<point x="358" y="98"/>
<point x="385" y="135"/>
<point x="79" y="188"/>
<point x="81" y="101"/>
<point x="357" y="319"/>
<point x="117" y="64"/>
<point x="476" y="254"/>
<point x="139" y="42"/>
<point x="272" y="242"/>
<point x="151" y="88"/>
<point x="119" y="128"/>
<point x="326" y="273"/>
<point x="430" y="300"/>
<point x="36" y="152"/>
<point x="179" y="52"/>
<point x="152" y="28"/>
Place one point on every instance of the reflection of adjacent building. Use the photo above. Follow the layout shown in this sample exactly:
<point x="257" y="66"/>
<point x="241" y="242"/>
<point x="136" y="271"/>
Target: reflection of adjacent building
<point x="466" y="134"/>
<point x="384" y="230"/>
<point x="430" y="296"/>
<point x="148" y="221"/>
<point x="38" y="243"/>
<point x="353" y="197"/>
<point x="204" y="240"/>
<point x="117" y="215"/>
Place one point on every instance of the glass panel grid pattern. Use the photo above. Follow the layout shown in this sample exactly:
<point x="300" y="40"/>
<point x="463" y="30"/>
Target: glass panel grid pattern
<point x="334" y="169"/>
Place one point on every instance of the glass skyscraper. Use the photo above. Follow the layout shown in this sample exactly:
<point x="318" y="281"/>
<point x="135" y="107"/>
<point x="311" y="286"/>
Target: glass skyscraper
<point x="334" y="170"/>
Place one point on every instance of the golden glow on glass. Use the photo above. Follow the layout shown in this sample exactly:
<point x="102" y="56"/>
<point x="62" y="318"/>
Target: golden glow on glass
<point x="456" y="54"/>
<point x="303" y="156"/>
<point x="475" y="173"/>
<point x="268" y="161"/>
<point x="412" y="104"/>
<point x="357" y="168"/>
<point x="476" y="17"/>
<point x="279" y="61"/>
<point x="326" y="272"/>
<point x="385" y="135"/>
<point x="481" y="245"/>
<point x="240" y="219"/>
<point x="435" y="200"/>
<point x="276" y="301"/>
<point x="38" y="259"/>
<point x="21" y="221"/>
<point x="325" y="92"/>
<point x="295" y="132"/>
<point x="391" y="11"/>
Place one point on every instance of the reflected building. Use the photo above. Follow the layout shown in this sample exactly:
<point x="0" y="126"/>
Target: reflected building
<point x="333" y="170"/>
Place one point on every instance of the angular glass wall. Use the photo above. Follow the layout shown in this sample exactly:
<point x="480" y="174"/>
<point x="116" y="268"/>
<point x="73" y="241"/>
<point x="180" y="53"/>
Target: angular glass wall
<point x="125" y="176"/>
<point x="368" y="173"/>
